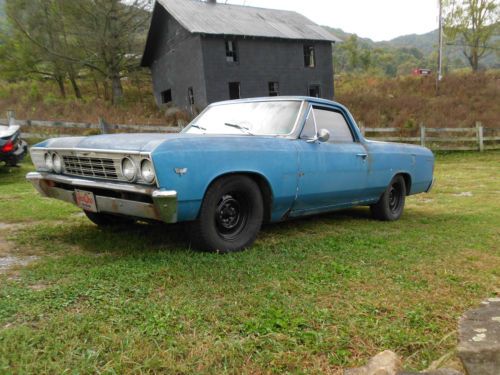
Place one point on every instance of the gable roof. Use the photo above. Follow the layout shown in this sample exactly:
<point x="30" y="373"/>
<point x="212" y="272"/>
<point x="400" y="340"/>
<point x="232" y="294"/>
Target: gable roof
<point x="200" y="17"/>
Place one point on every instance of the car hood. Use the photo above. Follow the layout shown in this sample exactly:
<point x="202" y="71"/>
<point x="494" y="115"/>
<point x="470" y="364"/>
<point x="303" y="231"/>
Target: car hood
<point x="142" y="142"/>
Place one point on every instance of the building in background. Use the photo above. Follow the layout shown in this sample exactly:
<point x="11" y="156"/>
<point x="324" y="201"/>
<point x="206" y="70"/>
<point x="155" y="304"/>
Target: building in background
<point x="204" y="52"/>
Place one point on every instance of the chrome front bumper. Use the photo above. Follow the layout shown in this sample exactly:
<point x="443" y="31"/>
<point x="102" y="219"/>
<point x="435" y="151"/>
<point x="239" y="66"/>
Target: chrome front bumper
<point x="162" y="208"/>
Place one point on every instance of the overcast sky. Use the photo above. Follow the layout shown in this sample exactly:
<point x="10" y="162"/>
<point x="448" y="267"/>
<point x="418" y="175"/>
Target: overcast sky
<point x="375" y="19"/>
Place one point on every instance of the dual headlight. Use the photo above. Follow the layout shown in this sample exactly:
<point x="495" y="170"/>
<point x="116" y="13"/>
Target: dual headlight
<point x="131" y="171"/>
<point x="53" y="162"/>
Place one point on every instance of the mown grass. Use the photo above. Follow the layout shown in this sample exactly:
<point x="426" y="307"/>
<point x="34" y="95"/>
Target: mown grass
<point x="312" y="296"/>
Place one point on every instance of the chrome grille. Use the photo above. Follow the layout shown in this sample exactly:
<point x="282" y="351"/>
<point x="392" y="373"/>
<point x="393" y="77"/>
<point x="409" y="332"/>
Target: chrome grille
<point x="90" y="167"/>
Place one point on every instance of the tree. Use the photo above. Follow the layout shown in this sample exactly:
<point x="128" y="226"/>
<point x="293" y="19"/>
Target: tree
<point x="471" y="24"/>
<point x="103" y="36"/>
<point x="111" y="35"/>
<point x="34" y="42"/>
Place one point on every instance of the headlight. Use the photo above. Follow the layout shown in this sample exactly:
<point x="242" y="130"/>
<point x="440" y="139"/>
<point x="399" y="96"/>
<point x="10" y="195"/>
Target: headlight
<point x="128" y="169"/>
<point x="147" y="171"/>
<point x="48" y="162"/>
<point x="57" y="163"/>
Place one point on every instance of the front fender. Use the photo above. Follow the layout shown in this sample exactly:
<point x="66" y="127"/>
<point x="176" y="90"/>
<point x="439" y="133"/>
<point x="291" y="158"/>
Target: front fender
<point x="190" y="165"/>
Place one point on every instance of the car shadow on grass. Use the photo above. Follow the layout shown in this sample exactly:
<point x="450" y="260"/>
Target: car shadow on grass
<point x="152" y="238"/>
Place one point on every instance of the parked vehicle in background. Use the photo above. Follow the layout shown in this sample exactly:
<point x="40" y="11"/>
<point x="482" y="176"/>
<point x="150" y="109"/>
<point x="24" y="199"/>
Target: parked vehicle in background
<point x="12" y="147"/>
<point x="237" y="165"/>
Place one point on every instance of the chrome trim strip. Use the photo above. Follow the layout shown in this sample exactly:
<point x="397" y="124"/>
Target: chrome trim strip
<point x="99" y="151"/>
<point x="80" y="182"/>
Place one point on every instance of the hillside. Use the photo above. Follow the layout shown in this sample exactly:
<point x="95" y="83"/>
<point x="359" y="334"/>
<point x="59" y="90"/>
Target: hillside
<point x="406" y="102"/>
<point x="426" y="44"/>
<point x="402" y="102"/>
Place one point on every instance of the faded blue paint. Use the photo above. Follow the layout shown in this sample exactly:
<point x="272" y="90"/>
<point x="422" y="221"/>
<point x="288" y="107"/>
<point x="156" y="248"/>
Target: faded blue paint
<point x="304" y="178"/>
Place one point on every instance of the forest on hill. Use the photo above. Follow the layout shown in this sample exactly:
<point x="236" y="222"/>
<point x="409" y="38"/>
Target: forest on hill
<point x="401" y="55"/>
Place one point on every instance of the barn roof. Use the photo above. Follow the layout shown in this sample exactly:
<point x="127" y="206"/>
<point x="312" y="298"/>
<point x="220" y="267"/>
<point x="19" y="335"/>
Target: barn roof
<point x="200" y="17"/>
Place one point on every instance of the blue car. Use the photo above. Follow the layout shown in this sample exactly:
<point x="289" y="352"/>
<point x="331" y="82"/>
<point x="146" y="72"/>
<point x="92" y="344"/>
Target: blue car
<point x="236" y="166"/>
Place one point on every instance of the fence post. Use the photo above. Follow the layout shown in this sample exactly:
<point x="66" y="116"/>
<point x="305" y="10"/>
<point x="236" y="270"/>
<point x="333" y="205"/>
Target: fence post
<point x="103" y="125"/>
<point x="11" y="118"/>
<point x="362" y="128"/>
<point x="480" y="136"/>
<point x="422" y="135"/>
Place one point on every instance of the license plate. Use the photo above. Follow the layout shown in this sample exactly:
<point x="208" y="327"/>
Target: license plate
<point x="85" y="200"/>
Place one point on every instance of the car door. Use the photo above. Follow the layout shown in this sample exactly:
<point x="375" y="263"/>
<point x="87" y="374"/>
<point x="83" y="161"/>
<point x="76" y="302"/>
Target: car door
<point x="332" y="174"/>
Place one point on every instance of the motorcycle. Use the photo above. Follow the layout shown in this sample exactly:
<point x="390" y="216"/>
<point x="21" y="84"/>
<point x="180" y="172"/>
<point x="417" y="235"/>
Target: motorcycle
<point x="12" y="148"/>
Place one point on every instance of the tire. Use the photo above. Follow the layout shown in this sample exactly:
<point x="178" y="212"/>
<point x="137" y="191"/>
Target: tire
<point x="107" y="220"/>
<point x="230" y="217"/>
<point x="390" y="207"/>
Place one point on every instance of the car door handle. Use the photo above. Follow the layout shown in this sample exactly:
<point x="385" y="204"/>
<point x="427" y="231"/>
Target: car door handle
<point x="363" y="156"/>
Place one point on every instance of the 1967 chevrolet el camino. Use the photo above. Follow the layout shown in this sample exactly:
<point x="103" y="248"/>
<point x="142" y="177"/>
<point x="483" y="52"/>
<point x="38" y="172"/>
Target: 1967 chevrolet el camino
<point x="237" y="165"/>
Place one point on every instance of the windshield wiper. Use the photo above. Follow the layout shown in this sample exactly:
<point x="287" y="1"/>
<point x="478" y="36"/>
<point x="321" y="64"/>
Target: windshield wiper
<point x="198" y="127"/>
<point x="244" y="129"/>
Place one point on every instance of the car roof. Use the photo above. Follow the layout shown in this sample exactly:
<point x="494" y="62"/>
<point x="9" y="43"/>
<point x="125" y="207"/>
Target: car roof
<point x="282" y="98"/>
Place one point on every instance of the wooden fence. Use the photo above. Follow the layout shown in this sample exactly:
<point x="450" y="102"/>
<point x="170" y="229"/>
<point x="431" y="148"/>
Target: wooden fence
<point x="478" y="137"/>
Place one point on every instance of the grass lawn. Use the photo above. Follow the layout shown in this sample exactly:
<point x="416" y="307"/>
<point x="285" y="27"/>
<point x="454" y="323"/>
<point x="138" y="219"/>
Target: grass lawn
<point x="312" y="296"/>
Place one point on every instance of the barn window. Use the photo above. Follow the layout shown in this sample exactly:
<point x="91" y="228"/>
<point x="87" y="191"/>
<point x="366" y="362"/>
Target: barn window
<point x="309" y="56"/>
<point x="234" y="90"/>
<point x="191" y="96"/>
<point x="166" y="96"/>
<point x="274" y="89"/>
<point x="315" y="91"/>
<point x="231" y="51"/>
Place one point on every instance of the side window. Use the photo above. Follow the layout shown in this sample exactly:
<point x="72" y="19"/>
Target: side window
<point x="309" y="131"/>
<point x="335" y="123"/>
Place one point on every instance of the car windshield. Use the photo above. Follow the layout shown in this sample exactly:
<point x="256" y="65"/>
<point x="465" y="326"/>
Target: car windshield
<point x="247" y="118"/>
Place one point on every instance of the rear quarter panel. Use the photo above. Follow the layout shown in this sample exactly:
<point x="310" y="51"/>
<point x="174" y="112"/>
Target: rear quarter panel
<point x="389" y="159"/>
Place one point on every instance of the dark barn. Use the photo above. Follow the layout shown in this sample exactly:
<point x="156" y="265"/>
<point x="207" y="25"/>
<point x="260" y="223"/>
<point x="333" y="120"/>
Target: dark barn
<point x="203" y="52"/>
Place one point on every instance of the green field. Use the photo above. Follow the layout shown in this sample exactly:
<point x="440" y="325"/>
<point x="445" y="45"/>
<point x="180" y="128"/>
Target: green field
<point x="312" y="296"/>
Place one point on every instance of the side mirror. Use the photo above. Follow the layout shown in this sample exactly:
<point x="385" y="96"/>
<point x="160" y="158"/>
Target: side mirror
<point x="323" y="135"/>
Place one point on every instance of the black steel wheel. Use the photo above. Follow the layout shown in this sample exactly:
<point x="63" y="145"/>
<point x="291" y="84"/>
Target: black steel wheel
<point x="230" y="217"/>
<point x="391" y="205"/>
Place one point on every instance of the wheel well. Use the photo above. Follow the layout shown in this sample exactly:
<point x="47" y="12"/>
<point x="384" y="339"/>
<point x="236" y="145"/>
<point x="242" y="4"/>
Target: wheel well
<point x="264" y="186"/>
<point x="407" y="179"/>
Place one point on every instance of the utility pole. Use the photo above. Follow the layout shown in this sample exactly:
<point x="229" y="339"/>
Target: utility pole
<point x="440" y="52"/>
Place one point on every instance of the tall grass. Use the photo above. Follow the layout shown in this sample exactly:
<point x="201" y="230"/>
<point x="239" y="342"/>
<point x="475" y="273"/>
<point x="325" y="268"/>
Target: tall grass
<point x="405" y="102"/>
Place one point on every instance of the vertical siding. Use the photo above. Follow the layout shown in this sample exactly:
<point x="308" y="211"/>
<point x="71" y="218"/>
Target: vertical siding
<point x="262" y="61"/>
<point x="178" y="64"/>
